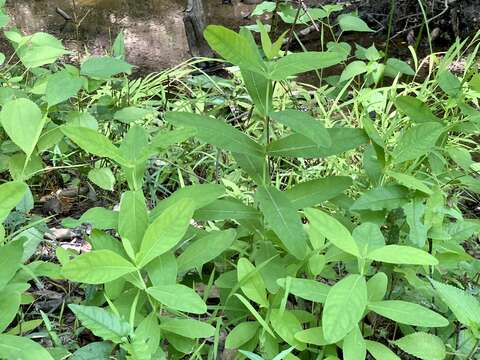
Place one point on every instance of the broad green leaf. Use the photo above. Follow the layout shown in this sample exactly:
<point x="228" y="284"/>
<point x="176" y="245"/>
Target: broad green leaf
<point x="354" y="347"/>
<point x="297" y="63"/>
<point x="166" y="231"/>
<point x="422" y="345"/>
<point x="241" y="334"/>
<point x="164" y="139"/>
<point x="9" y="303"/>
<point x="134" y="149"/>
<point x="178" y="297"/>
<point x="305" y="125"/>
<point x="464" y="306"/>
<point x="101" y="322"/>
<point x="415" y="109"/>
<point x="417" y="141"/>
<point x="387" y="197"/>
<point x="97" y="267"/>
<point x="93" y="142"/>
<point x="100" y="350"/>
<point x="251" y="282"/>
<point x="368" y="237"/>
<point x="227" y="208"/>
<point x="133" y="217"/>
<point x="296" y="145"/>
<point x="23" y="122"/>
<point x="353" y="69"/>
<point x="205" y="249"/>
<point x="233" y="47"/>
<point x="312" y="336"/>
<point x="314" y="192"/>
<point x="131" y="114"/>
<point x="380" y="351"/>
<point x="344" y="307"/>
<point x="377" y="287"/>
<point x="254" y="166"/>
<point x="255" y="314"/>
<point x="216" y="132"/>
<point x="201" y="195"/>
<point x="449" y="83"/>
<point x="350" y="22"/>
<point x="189" y="328"/>
<point x="286" y="325"/>
<point x="307" y="289"/>
<point x="104" y="67"/>
<point x="410" y="182"/>
<point x="163" y="270"/>
<point x="99" y="217"/>
<point x="11" y="193"/>
<point x="62" y="86"/>
<point x="40" y="49"/>
<point x="408" y="313"/>
<point x="333" y="230"/>
<point x="414" y="212"/>
<point x="394" y="67"/>
<point x="17" y="347"/>
<point x="399" y="254"/>
<point x="283" y="218"/>
<point x="102" y="177"/>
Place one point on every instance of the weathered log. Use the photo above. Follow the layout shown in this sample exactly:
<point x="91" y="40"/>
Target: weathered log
<point x="195" y="22"/>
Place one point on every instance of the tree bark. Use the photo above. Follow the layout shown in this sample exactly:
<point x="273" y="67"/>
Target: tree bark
<point x="195" y="22"/>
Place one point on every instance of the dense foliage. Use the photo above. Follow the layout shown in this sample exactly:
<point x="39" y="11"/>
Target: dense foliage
<point x="257" y="217"/>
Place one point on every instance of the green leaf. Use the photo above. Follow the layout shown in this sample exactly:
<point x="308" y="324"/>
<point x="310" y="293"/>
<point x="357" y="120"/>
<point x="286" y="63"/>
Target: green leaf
<point x="394" y="67"/>
<point x="201" y="195"/>
<point x="354" y="346"/>
<point x="353" y="69"/>
<point x="99" y="217"/>
<point x="380" y="351"/>
<point x="377" y="287"/>
<point x="464" y="306"/>
<point x="165" y="231"/>
<point x="233" y="47"/>
<point x="97" y="267"/>
<point x="62" y="86"/>
<point x="415" y="109"/>
<point x="9" y="303"/>
<point x="205" y="249"/>
<point x="283" y="219"/>
<point x="307" y="289"/>
<point x="93" y="142"/>
<point x="399" y="254"/>
<point x="417" y="141"/>
<point x="11" y="193"/>
<point x="23" y="122"/>
<point x="297" y="63"/>
<point x="100" y="350"/>
<point x="410" y="182"/>
<point x="10" y="261"/>
<point x="16" y="347"/>
<point x="368" y="237"/>
<point x="178" y="297"/>
<point x="189" y="328"/>
<point x="333" y="230"/>
<point x="449" y="83"/>
<point x="344" y="307"/>
<point x="312" y="336"/>
<point x="305" y="125"/>
<point x="296" y="145"/>
<point x="133" y="218"/>
<point x="387" y="197"/>
<point x="228" y="208"/>
<point x="101" y="322"/>
<point x="104" y="67"/>
<point x="241" y="334"/>
<point x="286" y="325"/>
<point x="163" y="270"/>
<point x="255" y="314"/>
<point x="131" y="114"/>
<point x="40" y="49"/>
<point x="314" y="192"/>
<point x="349" y="22"/>
<point x="408" y="313"/>
<point x="422" y="345"/>
<point x="216" y="132"/>
<point x="251" y="282"/>
<point x="102" y="177"/>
